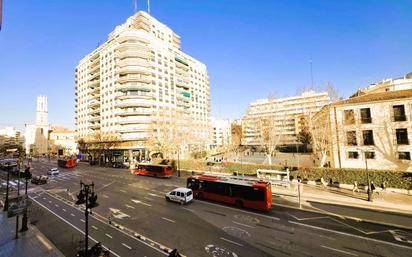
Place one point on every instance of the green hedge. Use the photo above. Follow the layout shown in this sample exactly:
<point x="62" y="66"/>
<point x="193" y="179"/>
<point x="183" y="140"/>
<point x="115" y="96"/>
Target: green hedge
<point x="393" y="179"/>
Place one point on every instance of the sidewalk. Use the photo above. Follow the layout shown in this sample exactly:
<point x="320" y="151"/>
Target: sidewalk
<point x="386" y="208"/>
<point x="29" y="243"/>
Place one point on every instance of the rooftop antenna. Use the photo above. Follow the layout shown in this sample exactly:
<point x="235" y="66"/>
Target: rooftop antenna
<point x="135" y="6"/>
<point x="148" y="7"/>
<point x="311" y="71"/>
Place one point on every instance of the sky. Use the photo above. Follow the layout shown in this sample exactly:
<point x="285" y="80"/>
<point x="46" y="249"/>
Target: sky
<point x="252" y="49"/>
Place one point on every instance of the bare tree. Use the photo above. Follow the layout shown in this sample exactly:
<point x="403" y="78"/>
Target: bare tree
<point x="333" y="92"/>
<point x="270" y="133"/>
<point x="319" y="128"/>
<point x="99" y="143"/>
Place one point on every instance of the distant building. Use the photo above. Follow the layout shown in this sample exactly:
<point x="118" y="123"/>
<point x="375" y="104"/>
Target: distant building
<point x="221" y="133"/>
<point x="139" y="86"/>
<point x="373" y="129"/>
<point x="280" y="117"/>
<point x="236" y="133"/>
<point x="62" y="141"/>
<point x="36" y="135"/>
<point x="402" y="83"/>
<point x="9" y="136"/>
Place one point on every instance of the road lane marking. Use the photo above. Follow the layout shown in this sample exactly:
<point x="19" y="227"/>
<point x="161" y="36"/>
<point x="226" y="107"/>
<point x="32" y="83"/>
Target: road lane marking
<point x="109" y="236"/>
<point x="147" y="198"/>
<point x="72" y="214"/>
<point x="82" y="220"/>
<point x="169" y="220"/>
<point x="122" y="191"/>
<point x="56" y="205"/>
<point x="50" y="201"/>
<point x="241" y="224"/>
<point x="71" y="224"/>
<point x="155" y="195"/>
<point x="64" y="210"/>
<point x="337" y="250"/>
<point x="125" y="245"/>
<point x="95" y="227"/>
<point x="230" y="241"/>
<point x="129" y="206"/>
<point x="137" y="201"/>
<point x="350" y="235"/>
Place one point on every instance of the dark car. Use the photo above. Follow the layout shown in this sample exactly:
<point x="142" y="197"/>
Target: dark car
<point x="39" y="180"/>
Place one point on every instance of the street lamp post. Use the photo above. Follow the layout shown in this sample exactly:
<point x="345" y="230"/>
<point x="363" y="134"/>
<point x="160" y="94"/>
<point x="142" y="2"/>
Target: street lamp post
<point x="27" y="176"/>
<point x="178" y="163"/>
<point x="370" y="199"/>
<point x="6" y="202"/>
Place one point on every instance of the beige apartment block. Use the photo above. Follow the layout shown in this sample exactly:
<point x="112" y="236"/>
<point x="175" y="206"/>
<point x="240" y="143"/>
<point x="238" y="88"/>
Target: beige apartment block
<point x="62" y="139"/>
<point x="373" y="129"/>
<point x="282" y="118"/>
<point x="139" y="87"/>
<point x="390" y="84"/>
<point x="221" y="133"/>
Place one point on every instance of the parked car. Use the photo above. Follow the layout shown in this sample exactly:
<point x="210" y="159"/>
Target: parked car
<point x="181" y="195"/>
<point x="53" y="171"/>
<point x="40" y="180"/>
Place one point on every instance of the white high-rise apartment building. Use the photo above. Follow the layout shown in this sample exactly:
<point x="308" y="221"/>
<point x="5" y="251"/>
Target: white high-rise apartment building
<point x="280" y="119"/>
<point x="138" y="77"/>
<point x="221" y="133"/>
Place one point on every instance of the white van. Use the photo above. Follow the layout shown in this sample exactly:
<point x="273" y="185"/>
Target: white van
<point x="182" y="195"/>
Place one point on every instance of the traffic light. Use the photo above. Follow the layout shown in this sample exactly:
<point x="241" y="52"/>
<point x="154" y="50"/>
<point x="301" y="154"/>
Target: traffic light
<point x="93" y="200"/>
<point x="81" y="197"/>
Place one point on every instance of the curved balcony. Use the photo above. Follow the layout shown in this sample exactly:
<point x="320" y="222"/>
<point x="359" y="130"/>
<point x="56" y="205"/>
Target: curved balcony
<point x="133" y="53"/>
<point x="134" y="70"/>
<point x="94" y="76"/>
<point x="132" y="46"/>
<point x="134" y="103"/>
<point x="135" y="96"/>
<point x="93" y="103"/>
<point x="134" y="62"/>
<point x="94" y="67"/>
<point x="94" y="112"/>
<point x="134" y="87"/>
<point x="135" y="120"/>
<point x="134" y="78"/>
<point x="94" y="126"/>
<point x="95" y="91"/>
<point x="94" y="118"/>
<point x="135" y="136"/>
<point x="134" y="128"/>
<point x="137" y="111"/>
<point x="93" y="83"/>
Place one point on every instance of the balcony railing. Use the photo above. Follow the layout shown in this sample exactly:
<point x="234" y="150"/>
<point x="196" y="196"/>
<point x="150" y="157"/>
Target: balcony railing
<point x="135" y="77"/>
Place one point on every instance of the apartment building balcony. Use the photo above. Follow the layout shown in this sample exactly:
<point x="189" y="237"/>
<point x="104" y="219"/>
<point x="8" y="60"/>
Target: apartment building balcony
<point x="133" y="70"/>
<point x="94" y="67"/>
<point x="93" y="103"/>
<point x="134" y="120"/>
<point x="181" y="66"/>
<point x="143" y="95"/>
<point x="133" y="86"/>
<point x="134" y="128"/>
<point x="136" y="111"/>
<point x="134" y="103"/>
<point x="94" y="112"/>
<point x="134" y="78"/>
<point x="95" y="91"/>
<point x="94" y="126"/>
<point x="181" y="60"/>
<point x="134" y="135"/>
<point x="132" y="46"/>
<point x="133" y="53"/>
<point x="129" y="61"/>
<point x="93" y="83"/>
<point x="95" y="75"/>
<point x="94" y="97"/>
<point x="94" y="118"/>
<point x="133" y="36"/>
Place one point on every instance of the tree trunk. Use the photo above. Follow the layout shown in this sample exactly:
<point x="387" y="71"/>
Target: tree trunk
<point x="269" y="158"/>
<point x="323" y="160"/>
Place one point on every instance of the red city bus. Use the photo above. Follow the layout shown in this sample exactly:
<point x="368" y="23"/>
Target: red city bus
<point x="253" y="194"/>
<point x="155" y="170"/>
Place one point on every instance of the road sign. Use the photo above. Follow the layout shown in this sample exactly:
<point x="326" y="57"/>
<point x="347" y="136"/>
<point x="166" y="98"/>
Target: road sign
<point x="17" y="205"/>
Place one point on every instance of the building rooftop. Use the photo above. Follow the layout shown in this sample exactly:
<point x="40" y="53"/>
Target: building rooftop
<point x="374" y="97"/>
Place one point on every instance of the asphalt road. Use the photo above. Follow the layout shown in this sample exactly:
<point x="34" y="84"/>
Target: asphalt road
<point x="204" y="228"/>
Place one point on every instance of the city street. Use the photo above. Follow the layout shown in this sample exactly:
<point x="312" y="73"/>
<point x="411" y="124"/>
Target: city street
<point x="144" y="224"/>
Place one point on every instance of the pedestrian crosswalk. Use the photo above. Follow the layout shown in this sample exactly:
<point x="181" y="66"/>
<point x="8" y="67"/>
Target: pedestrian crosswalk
<point x="64" y="177"/>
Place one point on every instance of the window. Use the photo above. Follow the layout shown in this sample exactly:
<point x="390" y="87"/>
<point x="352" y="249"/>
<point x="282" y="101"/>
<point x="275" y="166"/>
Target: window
<point x="351" y="138"/>
<point x="402" y="136"/>
<point x="399" y="113"/>
<point x="353" y="155"/>
<point x="366" y="115"/>
<point x="370" y="155"/>
<point x="404" y="155"/>
<point x="368" y="137"/>
<point x="349" y="117"/>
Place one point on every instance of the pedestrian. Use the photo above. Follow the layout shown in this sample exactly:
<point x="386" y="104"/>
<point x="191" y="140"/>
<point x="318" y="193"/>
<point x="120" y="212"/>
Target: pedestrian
<point x="383" y="186"/>
<point x="110" y="219"/>
<point x="330" y="182"/>
<point x="373" y="188"/>
<point x="355" y="186"/>
<point x="322" y="180"/>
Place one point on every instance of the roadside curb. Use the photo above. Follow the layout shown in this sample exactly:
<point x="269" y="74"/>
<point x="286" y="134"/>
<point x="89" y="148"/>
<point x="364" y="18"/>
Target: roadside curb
<point x="307" y="204"/>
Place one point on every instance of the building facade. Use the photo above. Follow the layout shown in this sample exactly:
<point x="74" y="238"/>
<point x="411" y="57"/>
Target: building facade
<point x="36" y="135"/>
<point x="9" y="136"/>
<point x="372" y="129"/>
<point x="402" y="83"/>
<point x="280" y="119"/>
<point x="62" y="141"/>
<point x="221" y="133"/>
<point x="139" y="88"/>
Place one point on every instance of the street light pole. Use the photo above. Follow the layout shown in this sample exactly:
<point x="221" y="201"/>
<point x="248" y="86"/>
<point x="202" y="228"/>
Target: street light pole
<point x="6" y="202"/>
<point x="178" y="163"/>
<point x="17" y="216"/>
<point x="24" y="221"/>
